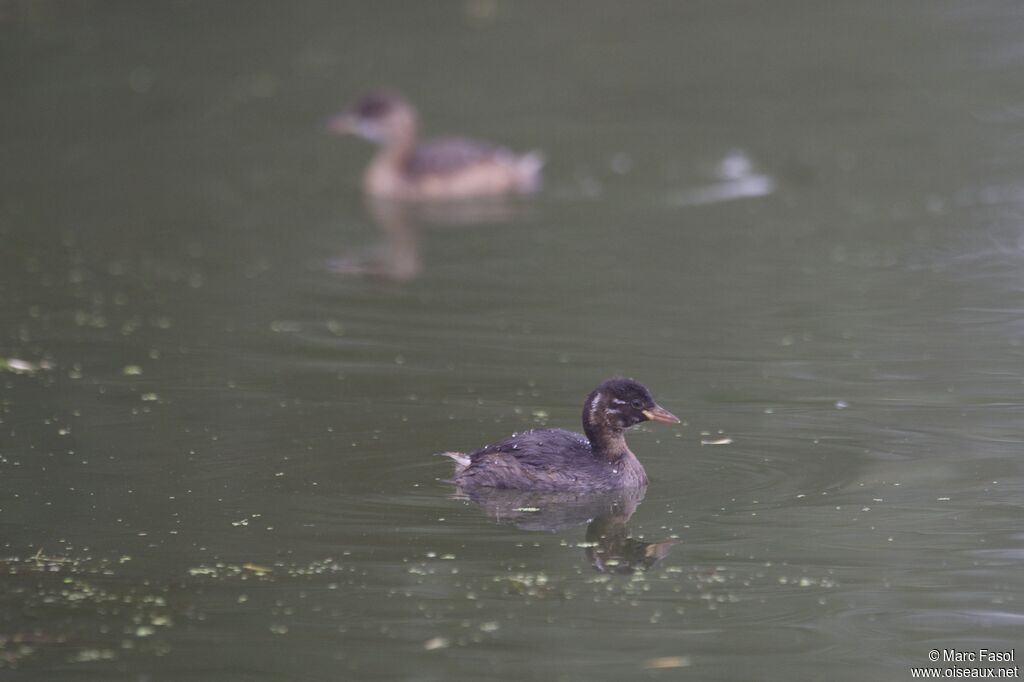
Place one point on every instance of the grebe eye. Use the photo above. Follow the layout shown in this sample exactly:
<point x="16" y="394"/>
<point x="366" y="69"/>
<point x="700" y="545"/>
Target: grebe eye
<point x="636" y="404"/>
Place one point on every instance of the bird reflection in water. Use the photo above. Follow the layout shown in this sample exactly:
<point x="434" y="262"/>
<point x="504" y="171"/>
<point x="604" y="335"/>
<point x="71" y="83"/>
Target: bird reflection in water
<point x="609" y="547"/>
<point x="397" y="255"/>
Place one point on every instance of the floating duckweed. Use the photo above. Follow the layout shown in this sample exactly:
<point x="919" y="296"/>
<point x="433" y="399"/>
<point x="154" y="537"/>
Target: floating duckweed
<point x="257" y="568"/>
<point x="436" y="643"/>
<point x="90" y="655"/>
<point x="667" y="662"/>
<point x="18" y="366"/>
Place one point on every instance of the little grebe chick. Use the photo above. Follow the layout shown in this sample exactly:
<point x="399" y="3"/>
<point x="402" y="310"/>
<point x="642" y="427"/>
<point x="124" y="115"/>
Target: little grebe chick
<point x="446" y="169"/>
<point x="555" y="459"/>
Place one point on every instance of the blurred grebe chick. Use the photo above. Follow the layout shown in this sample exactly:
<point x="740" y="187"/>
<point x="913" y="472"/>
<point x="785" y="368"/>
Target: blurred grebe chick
<point x="445" y="169"/>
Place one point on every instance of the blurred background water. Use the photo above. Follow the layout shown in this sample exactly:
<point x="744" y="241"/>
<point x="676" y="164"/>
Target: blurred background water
<point x="223" y="374"/>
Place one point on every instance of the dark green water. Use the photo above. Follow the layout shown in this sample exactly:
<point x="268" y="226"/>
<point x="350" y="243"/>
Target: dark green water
<point x="800" y="224"/>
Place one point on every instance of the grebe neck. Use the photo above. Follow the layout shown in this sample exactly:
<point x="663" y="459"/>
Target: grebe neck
<point x="607" y="440"/>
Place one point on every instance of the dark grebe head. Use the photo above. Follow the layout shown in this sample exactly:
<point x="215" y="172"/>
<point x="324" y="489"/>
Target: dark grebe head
<point x="617" y="404"/>
<point x="379" y="117"/>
